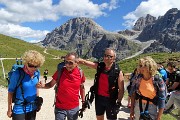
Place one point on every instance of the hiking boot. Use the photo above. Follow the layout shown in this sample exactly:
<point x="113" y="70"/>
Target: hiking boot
<point x="169" y="110"/>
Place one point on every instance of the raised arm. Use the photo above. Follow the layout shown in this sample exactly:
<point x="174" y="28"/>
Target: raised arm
<point x="87" y="63"/>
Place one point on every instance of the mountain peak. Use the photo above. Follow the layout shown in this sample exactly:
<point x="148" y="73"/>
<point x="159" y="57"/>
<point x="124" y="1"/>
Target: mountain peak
<point x="143" y="22"/>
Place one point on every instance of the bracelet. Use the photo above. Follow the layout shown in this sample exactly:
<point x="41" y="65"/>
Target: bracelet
<point x="82" y="101"/>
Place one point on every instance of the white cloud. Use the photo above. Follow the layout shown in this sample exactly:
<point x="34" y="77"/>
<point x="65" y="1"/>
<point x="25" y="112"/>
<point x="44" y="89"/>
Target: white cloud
<point x="15" y="12"/>
<point x="85" y="8"/>
<point x="22" y="32"/>
<point x="155" y="8"/>
<point x="113" y="4"/>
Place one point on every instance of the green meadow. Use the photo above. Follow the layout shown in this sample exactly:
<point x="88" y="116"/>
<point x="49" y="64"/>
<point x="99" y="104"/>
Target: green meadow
<point x="14" y="48"/>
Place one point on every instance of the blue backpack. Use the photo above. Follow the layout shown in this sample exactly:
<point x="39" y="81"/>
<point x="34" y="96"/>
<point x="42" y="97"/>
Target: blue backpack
<point x="18" y="66"/>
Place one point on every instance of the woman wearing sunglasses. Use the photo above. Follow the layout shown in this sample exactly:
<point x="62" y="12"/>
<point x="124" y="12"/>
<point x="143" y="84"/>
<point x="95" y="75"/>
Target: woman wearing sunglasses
<point x="148" y="92"/>
<point x="24" y="89"/>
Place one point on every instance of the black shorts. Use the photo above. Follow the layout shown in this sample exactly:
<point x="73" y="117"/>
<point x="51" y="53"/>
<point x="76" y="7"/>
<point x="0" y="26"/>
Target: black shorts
<point x="102" y="105"/>
<point x="27" y="116"/>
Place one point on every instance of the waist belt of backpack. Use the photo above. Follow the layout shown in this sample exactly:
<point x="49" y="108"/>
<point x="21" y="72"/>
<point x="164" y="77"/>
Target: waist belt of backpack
<point x="144" y="98"/>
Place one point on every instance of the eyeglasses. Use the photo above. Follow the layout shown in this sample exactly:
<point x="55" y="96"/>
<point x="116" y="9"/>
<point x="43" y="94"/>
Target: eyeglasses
<point x="69" y="62"/>
<point x="32" y="66"/>
<point x="108" y="56"/>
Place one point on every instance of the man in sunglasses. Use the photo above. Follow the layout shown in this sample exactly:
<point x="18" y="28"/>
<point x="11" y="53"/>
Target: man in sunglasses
<point x="70" y="83"/>
<point x="108" y="86"/>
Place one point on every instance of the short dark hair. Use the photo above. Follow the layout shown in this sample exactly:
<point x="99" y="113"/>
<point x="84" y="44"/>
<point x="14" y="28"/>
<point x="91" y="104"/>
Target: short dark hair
<point x="171" y="64"/>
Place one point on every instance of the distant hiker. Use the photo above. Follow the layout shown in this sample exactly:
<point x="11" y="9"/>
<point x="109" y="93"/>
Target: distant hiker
<point x="133" y="77"/>
<point x="45" y="75"/>
<point x="26" y="102"/>
<point x="108" y="85"/>
<point x="173" y="77"/>
<point x="162" y="71"/>
<point x="69" y="81"/>
<point x="173" y="84"/>
<point x="148" y="92"/>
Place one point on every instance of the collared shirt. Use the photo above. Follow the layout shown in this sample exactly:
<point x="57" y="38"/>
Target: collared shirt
<point x="68" y="91"/>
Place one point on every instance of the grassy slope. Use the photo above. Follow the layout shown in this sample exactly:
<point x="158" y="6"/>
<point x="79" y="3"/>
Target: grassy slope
<point x="130" y="64"/>
<point x="11" y="47"/>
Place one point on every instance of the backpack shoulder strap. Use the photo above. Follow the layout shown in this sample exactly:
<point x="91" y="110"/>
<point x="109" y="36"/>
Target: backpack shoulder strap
<point x="81" y="72"/>
<point x="19" y="82"/>
<point x="117" y="70"/>
<point x="100" y="67"/>
<point x="21" y="77"/>
<point x="60" y="67"/>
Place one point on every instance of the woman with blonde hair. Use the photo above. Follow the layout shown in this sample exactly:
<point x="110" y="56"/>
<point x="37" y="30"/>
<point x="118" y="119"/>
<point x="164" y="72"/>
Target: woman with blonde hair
<point x="148" y="92"/>
<point x="25" y="91"/>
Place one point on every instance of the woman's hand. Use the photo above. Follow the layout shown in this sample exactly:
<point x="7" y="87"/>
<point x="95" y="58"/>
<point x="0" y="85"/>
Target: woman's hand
<point x="9" y="113"/>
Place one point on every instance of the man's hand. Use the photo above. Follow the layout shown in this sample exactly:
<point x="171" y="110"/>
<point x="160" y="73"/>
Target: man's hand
<point x="40" y="85"/>
<point x="132" y="117"/>
<point x="9" y="113"/>
<point x="38" y="109"/>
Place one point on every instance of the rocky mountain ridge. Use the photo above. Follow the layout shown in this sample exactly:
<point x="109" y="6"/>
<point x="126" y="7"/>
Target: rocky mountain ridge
<point x="89" y="39"/>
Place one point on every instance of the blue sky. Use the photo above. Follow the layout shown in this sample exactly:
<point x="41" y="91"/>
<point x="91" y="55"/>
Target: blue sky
<point x="31" y="20"/>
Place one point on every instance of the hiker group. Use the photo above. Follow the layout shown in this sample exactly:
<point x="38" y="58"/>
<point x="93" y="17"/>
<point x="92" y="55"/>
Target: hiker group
<point x="152" y="89"/>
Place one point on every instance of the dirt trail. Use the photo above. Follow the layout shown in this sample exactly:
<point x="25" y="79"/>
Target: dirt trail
<point x="47" y="110"/>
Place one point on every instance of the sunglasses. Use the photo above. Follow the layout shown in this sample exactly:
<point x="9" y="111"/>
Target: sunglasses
<point x="108" y="56"/>
<point x="32" y="66"/>
<point x="140" y="66"/>
<point x="69" y="62"/>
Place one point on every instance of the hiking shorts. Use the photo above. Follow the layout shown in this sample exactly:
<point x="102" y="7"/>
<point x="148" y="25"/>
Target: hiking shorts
<point x="27" y="116"/>
<point x="102" y="105"/>
<point x="71" y="114"/>
<point x="152" y="110"/>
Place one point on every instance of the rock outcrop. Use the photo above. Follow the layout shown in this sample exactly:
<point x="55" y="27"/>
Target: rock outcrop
<point x="143" y="22"/>
<point x="166" y="30"/>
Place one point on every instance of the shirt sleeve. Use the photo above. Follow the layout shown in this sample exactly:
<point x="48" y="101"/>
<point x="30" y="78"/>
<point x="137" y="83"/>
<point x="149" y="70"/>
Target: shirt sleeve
<point x="161" y="93"/>
<point x="55" y="75"/>
<point x="177" y="77"/>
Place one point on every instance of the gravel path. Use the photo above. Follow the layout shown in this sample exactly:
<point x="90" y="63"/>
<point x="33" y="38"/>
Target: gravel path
<point x="47" y="110"/>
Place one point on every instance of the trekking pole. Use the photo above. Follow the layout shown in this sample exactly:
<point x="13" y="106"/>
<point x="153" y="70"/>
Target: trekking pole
<point x="17" y="62"/>
<point x="21" y="61"/>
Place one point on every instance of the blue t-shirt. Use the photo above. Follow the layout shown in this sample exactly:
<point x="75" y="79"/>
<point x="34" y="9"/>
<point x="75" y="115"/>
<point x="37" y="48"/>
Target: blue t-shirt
<point x="163" y="73"/>
<point x="29" y="89"/>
